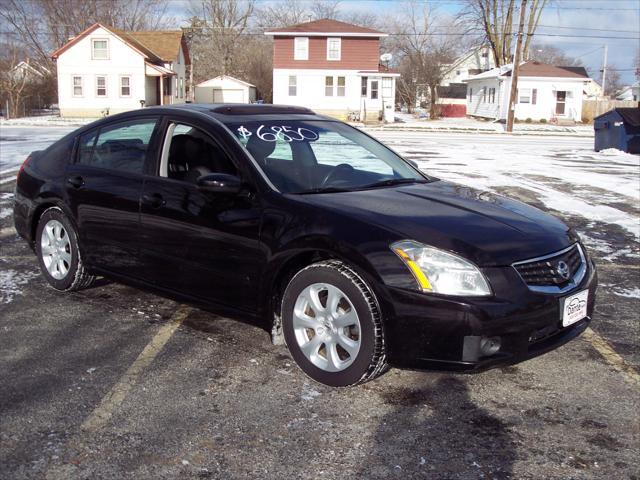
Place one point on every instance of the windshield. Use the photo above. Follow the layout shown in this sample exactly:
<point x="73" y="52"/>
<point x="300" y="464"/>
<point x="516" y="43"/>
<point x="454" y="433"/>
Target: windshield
<point x="321" y="156"/>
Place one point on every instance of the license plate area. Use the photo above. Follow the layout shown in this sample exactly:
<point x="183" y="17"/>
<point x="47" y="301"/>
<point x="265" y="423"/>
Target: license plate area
<point x="574" y="307"/>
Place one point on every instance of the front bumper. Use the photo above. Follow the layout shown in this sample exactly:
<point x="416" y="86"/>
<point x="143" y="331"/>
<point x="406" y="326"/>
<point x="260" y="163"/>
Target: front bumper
<point x="442" y="333"/>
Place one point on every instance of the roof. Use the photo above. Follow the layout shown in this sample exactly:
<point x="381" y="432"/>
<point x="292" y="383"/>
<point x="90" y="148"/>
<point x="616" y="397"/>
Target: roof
<point x="156" y="46"/>
<point x="534" y="69"/>
<point x="537" y="69"/>
<point x="579" y="70"/>
<point x="222" y="77"/>
<point x="325" y="27"/>
<point x="165" y="44"/>
<point x="631" y="115"/>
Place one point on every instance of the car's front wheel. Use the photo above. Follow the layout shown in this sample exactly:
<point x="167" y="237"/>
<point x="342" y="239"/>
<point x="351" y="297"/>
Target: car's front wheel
<point x="59" y="252"/>
<point x="332" y="325"/>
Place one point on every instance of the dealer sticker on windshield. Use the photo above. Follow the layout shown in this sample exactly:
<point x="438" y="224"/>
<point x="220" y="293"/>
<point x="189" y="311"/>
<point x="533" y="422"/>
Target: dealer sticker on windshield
<point x="574" y="308"/>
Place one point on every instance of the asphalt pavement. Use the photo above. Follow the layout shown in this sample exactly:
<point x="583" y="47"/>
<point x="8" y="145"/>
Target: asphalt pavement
<point x="115" y="382"/>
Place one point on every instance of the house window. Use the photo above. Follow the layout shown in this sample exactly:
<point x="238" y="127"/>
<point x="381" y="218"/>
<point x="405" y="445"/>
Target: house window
<point x="374" y="89"/>
<point x="301" y="48"/>
<point x="458" y="73"/>
<point x="125" y="86"/>
<point x="333" y="48"/>
<point x="175" y="87"/>
<point x="100" y="49"/>
<point x="484" y="54"/>
<point x="484" y="94"/>
<point x="181" y="87"/>
<point x="363" y="86"/>
<point x="471" y="94"/>
<point x="534" y="96"/>
<point x="524" y="95"/>
<point x="341" y="86"/>
<point x="293" y="86"/>
<point x="328" y="86"/>
<point x="387" y="87"/>
<point x="492" y="95"/>
<point x="77" y="86"/>
<point x="101" y="86"/>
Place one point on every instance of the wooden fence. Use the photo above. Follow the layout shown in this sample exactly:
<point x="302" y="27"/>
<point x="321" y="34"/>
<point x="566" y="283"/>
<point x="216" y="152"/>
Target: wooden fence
<point x="592" y="108"/>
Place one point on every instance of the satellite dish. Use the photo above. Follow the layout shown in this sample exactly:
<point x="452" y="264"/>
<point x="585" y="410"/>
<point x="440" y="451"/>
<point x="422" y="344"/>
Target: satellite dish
<point x="386" y="57"/>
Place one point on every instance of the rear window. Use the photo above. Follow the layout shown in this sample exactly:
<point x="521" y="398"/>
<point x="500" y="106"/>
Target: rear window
<point x="121" y="146"/>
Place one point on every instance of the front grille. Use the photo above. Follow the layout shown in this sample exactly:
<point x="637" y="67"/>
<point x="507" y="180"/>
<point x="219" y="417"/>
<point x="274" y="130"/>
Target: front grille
<point x="547" y="272"/>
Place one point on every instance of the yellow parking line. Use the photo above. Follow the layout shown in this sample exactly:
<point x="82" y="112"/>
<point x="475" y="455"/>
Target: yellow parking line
<point x="101" y="415"/>
<point x="612" y="357"/>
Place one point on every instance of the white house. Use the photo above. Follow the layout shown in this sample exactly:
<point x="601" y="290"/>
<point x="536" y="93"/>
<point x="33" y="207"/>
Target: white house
<point x="544" y="92"/>
<point x="225" y="89"/>
<point x="333" y="68"/>
<point x="103" y="70"/>
<point x="473" y="62"/>
<point x="630" y="92"/>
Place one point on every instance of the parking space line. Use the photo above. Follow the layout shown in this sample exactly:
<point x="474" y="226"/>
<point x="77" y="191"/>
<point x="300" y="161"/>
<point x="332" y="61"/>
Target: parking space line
<point x="7" y="232"/>
<point x="110" y="402"/>
<point x="612" y="357"/>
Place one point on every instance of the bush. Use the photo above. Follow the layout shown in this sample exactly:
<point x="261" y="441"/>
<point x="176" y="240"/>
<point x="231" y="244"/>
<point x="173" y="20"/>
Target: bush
<point x="543" y="120"/>
<point x="528" y="120"/>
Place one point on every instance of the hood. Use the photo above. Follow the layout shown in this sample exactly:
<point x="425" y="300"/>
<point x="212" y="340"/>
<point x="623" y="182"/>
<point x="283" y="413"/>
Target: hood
<point x="488" y="229"/>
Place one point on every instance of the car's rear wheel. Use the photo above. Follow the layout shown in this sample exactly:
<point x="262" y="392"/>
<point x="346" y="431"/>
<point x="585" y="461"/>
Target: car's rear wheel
<point x="59" y="253"/>
<point x="332" y="325"/>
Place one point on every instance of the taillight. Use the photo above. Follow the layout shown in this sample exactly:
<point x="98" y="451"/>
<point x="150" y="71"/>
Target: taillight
<point x="24" y="164"/>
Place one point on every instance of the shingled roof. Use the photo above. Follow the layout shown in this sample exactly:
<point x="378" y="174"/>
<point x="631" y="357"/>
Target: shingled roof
<point x="326" y="25"/>
<point x="538" y="69"/>
<point x="161" y="46"/>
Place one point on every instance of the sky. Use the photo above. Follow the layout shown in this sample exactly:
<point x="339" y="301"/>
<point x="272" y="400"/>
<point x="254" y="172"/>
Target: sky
<point x="581" y="28"/>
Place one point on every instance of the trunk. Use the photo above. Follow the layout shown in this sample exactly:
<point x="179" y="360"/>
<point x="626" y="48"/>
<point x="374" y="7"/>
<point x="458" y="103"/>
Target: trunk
<point x="433" y="107"/>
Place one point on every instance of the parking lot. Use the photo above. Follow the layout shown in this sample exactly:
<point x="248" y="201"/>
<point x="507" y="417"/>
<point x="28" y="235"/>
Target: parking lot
<point x="115" y="382"/>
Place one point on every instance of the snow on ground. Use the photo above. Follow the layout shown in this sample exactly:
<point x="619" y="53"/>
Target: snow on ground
<point x="409" y="122"/>
<point x="11" y="282"/>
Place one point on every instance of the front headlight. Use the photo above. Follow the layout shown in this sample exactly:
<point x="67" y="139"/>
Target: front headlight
<point x="441" y="272"/>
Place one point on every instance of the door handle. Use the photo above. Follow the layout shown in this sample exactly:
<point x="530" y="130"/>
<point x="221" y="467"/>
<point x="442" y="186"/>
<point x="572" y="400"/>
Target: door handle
<point x="76" y="182"/>
<point x="154" y="200"/>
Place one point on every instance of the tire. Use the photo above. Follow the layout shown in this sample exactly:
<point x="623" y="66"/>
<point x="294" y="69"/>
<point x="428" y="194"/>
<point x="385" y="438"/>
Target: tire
<point x="332" y="325"/>
<point x="59" y="253"/>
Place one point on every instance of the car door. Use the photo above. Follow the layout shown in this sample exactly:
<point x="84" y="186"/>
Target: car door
<point x="201" y="244"/>
<point x="103" y="188"/>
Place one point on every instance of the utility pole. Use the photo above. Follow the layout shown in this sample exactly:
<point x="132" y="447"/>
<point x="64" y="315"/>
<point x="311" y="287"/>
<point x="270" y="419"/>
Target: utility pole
<point x="604" y="69"/>
<point x="516" y="67"/>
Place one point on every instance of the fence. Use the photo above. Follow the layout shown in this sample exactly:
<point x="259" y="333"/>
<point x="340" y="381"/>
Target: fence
<point x="592" y="108"/>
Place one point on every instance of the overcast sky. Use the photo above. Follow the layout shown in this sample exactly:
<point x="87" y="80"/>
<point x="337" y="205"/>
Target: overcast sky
<point x="579" y="27"/>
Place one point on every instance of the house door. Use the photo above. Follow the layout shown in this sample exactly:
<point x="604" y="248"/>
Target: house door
<point x="372" y="99"/>
<point x="561" y="100"/>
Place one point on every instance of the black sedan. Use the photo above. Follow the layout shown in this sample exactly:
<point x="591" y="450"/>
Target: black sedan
<point x="311" y="227"/>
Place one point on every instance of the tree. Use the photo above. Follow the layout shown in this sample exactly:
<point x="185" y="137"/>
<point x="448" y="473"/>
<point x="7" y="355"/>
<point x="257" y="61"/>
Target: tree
<point x="216" y="34"/>
<point x="553" y="56"/>
<point x="613" y="81"/>
<point x="422" y="55"/>
<point x="41" y="26"/>
<point x="496" y="20"/>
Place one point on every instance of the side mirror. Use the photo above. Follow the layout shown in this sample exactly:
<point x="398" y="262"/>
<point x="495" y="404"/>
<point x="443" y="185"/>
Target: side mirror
<point x="220" y="183"/>
<point x="412" y="163"/>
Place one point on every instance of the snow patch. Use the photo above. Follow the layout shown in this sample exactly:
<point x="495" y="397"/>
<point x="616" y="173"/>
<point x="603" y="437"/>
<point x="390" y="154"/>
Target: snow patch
<point x="10" y="283"/>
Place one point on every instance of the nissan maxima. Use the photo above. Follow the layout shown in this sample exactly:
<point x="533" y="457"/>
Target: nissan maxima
<point x="314" y="229"/>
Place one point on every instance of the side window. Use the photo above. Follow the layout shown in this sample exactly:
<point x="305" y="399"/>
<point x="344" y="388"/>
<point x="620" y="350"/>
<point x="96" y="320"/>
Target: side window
<point x="190" y="153"/>
<point x="121" y="146"/>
